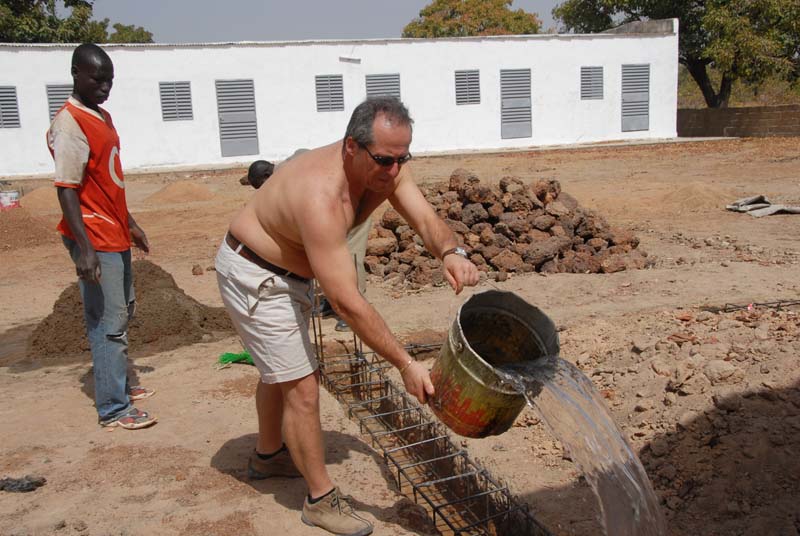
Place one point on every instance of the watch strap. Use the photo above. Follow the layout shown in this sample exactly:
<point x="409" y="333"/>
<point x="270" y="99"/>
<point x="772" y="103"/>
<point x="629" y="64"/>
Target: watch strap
<point x="456" y="249"/>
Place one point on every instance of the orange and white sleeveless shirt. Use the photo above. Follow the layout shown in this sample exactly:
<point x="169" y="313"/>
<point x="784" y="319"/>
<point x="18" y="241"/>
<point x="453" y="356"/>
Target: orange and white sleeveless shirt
<point x="85" y="148"/>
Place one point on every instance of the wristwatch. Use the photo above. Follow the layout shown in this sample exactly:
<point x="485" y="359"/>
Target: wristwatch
<point x="457" y="250"/>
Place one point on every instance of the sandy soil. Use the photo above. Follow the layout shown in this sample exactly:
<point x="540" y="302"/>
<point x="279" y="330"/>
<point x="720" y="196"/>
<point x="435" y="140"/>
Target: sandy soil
<point x="711" y="401"/>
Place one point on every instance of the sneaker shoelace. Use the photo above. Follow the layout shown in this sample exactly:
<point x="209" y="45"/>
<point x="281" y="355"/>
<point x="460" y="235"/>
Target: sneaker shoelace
<point x="342" y="504"/>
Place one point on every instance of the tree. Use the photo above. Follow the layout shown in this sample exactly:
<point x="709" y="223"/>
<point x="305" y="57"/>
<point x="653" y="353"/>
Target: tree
<point x="38" y="21"/>
<point x="129" y="34"/>
<point x="459" y="18"/>
<point x="746" y="40"/>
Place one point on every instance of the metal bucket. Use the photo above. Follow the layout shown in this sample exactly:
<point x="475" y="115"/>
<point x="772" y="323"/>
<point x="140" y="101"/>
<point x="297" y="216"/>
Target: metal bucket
<point x="491" y="329"/>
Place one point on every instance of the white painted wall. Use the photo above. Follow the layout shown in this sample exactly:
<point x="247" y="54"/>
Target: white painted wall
<point x="283" y="74"/>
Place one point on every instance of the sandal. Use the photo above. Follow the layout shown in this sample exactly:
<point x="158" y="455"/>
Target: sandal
<point x="140" y="393"/>
<point x="133" y="419"/>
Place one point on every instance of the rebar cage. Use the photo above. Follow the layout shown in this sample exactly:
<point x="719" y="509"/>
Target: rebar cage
<point x="459" y="495"/>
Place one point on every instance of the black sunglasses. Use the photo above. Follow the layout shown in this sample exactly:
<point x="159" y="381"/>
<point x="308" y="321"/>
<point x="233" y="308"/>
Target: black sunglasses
<point x="386" y="161"/>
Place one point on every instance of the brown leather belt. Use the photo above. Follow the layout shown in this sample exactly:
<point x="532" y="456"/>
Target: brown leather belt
<point x="251" y="256"/>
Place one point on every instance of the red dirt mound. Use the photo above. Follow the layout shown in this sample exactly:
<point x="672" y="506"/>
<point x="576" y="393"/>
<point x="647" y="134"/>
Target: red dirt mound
<point x="181" y="192"/>
<point x="41" y="200"/>
<point x="166" y="318"/>
<point x="19" y="229"/>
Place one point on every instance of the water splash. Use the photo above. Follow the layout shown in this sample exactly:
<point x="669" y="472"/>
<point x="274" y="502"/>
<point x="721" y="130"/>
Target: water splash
<point x="575" y="413"/>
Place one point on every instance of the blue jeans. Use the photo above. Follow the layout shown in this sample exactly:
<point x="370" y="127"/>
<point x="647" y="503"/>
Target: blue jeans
<point x="107" y="307"/>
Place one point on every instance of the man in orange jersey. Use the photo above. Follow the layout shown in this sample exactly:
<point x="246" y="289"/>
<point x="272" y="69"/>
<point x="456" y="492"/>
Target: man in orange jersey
<point x="97" y="230"/>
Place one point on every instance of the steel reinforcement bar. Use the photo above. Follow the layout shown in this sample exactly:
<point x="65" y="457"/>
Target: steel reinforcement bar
<point x="460" y="496"/>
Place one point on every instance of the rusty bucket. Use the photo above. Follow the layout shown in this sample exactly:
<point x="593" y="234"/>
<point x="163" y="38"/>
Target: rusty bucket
<point x="491" y="329"/>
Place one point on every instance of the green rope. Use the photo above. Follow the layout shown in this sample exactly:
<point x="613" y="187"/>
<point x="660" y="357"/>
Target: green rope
<point x="229" y="357"/>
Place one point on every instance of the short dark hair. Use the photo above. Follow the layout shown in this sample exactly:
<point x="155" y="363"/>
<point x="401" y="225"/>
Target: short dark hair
<point x="360" y="125"/>
<point x="258" y="172"/>
<point x="89" y="53"/>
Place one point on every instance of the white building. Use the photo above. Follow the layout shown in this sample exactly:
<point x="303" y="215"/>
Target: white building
<point x="230" y="103"/>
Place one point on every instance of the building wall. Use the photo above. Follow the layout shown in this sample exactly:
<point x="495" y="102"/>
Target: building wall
<point x="283" y="75"/>
<point x="757" y="121"/>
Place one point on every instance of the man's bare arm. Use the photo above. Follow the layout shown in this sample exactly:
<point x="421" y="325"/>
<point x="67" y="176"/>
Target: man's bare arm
<point x="324" y="240"/>
<point x="88" y="265"/>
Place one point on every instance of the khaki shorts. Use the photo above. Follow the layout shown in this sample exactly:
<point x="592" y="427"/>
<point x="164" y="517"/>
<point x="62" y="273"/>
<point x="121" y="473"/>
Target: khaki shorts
<point x="271" y="314"/>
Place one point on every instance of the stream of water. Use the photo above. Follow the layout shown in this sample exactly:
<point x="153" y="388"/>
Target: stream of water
<point x="576" y="415"/>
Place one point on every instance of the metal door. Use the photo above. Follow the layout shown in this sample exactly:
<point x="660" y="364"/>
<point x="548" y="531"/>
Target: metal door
<point x="236" y="108"/>
<point x="515" y="96"/>
<point x="635" y="97"/>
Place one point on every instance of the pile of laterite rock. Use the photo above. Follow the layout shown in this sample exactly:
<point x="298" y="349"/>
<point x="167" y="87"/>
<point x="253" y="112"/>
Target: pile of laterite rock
<point x="513" y="227"/>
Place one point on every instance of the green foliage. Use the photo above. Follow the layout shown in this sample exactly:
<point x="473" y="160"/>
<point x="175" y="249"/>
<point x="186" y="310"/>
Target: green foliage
<point x="124" y="33"/>
<point x="37" y="21"/>
<point x="460" y="18"/>
<point x="748" y="40"/>
<point x="772" y="91"/>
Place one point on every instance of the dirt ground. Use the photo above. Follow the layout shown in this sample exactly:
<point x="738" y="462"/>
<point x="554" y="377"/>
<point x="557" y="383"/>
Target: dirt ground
<point x="710" y="400"/>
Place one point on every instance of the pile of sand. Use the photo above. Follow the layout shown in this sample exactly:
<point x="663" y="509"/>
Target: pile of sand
<point x="19" y="229"/>
<point x="181" y="192"/>
<point x="166" y="318"/>
<point x="43" y="199"/>
<point x="698" y="196"/>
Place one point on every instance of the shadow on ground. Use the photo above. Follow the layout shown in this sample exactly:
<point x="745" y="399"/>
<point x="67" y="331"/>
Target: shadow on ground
<point x="732" y="470"/>
<point x="231" y="459"/>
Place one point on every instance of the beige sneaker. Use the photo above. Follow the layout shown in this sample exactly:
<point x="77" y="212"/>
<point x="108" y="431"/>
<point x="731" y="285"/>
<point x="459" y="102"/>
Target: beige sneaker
<point x="335" y="514"/>
<point x="280" y="465"/>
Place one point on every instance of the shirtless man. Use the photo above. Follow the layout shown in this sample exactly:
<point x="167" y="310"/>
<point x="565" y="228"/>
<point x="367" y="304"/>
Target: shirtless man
<point x="293" y="229"/>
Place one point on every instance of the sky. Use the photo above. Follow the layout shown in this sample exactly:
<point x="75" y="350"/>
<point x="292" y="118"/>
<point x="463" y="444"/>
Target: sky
<point x="198" y="21"/>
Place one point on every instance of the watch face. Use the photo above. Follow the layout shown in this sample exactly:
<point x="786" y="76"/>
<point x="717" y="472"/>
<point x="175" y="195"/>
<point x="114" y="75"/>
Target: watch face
<point x="461" y="251"/>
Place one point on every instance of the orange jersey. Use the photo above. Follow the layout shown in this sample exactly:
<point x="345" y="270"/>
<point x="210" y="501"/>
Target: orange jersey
<point x="101" y="189"/>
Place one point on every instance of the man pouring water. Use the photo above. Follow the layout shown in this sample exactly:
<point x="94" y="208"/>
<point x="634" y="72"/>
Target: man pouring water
<point x="293" y="229"/>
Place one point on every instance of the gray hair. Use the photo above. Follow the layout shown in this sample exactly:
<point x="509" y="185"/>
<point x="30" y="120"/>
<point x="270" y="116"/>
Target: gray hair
<point x="360" y="125"/>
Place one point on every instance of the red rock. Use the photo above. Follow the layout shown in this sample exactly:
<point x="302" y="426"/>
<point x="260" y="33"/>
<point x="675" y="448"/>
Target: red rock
<point x="480" y="226"/>
<point x="457" y="226"/>
<point x="506" y="261"/>
<point x="542" y="251"/>
<point x="381" y="246"/>
<point x="516" y="221"/>
<point x="408" y="255"/>
<point x="374" y="266"/>
<point x="487" y="237"/>
<point x="384" y="233"/>
<point x="480" y="194"/>
<point x="391" y="219"/>
<point x="544" y="222"/>
<point x="454" y="211"/>
<point x="537" y="236"/>
<point x="477" y="259"/>
<point x="460" y="178"/>
<point x="495" y="210"/>
<point x="450" y="197"/>
<point x="473" y="213"/>
<point x="503" y="229"/>
<point x="557" y="209"/>
<point x="623" y="237"/>
<point x="597" y="243"/>
<point x="490" y="251"/>
<point x="580" y="263"/>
